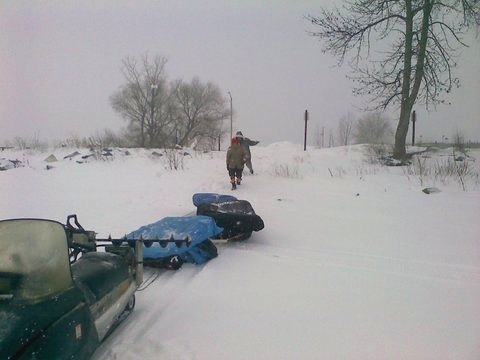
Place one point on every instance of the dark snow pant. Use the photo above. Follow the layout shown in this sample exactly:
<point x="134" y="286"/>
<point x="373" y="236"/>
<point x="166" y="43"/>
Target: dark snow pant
<point x="235" y="173"/>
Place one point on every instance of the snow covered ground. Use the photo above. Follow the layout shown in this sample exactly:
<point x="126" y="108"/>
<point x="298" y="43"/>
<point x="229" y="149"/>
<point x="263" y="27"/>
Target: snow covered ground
<point x="355" y="261"/>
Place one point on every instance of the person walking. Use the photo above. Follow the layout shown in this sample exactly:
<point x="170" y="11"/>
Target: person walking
<point x="246" y="143"/>
<point x="236" y="157"/>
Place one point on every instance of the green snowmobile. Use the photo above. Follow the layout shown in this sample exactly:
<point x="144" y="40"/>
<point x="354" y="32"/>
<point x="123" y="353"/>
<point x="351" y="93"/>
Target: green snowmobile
<point x="59" y="296"/>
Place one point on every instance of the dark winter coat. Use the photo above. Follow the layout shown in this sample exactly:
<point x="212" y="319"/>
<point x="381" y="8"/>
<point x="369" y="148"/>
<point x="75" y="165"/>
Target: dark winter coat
<point x="236" y="156"/>
<point x="246" y="143"/>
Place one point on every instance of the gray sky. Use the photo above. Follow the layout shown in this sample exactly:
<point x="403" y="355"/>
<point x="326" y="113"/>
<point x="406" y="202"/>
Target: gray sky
<point x="60" y="61"/>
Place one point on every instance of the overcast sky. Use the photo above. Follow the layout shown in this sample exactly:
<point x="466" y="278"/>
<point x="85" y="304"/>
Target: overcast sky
<point x="60" y="62"/>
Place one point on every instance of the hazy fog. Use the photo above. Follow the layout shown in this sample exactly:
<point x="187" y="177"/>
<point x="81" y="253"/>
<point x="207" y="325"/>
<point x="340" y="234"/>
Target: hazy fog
<point x="60" y="61"/>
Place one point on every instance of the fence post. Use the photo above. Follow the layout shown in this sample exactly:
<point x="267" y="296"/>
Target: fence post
<point x="305" y="137"/>
<point x="414" y="119"/>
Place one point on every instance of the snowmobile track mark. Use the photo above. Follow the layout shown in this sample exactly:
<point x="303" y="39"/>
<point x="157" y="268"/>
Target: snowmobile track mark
<point x="172" y="283"/>
<point x="369" y="262"/>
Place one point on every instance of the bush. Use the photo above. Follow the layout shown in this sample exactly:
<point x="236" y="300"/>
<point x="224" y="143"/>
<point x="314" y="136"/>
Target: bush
<point x="286" y="171"/>
<point x="444" y="171"/>
<point x="174" y="159"/>
<point x="34" y="143"/>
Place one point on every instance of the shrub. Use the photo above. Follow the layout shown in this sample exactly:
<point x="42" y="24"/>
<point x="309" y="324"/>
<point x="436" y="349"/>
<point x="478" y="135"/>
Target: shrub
<point x="286" y="171"/>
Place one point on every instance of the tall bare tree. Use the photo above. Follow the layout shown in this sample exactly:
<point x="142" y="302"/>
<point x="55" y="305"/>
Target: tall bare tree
<point x="145" y="101"/>
<point x="201" y="110"/>
<point x="331" y="138"/>
<point x="403" y="50"/>
<point x="373" y="128"/>
<point x="345" y="129"/>
<point x="319" y="136"/>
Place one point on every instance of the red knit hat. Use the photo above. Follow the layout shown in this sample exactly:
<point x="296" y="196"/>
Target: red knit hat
<point x="234" y="141"/>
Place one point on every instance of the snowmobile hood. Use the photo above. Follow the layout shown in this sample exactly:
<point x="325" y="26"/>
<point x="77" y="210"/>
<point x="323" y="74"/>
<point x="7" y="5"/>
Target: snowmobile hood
<point x="24" y="322"/>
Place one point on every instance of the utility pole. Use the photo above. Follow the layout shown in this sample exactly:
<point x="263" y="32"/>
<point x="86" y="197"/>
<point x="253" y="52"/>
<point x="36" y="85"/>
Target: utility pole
<point x="305" y="137"/>
<point x="231" y="116"/>
<point x="154" y="88"/>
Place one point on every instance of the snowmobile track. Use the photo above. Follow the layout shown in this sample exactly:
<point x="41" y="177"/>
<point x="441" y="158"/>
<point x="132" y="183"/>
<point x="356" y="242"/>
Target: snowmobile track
<point x="369" y="262"/>
<point x="172" y="284"/>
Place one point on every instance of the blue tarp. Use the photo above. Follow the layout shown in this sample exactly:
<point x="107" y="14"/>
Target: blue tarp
<point x="197" y="228"/>
<point x="209" y="198"/>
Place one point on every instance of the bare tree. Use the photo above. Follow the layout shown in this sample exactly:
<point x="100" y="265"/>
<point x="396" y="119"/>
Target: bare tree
<point x="145" y="101"/>
<point x="331" y="138"/>
<point x="200" y="110"/>
<point x="459" y="141"/>
<point x="319" y="136"/>
<point x="345" y="127"/>
<point x="416" y="40"/>
<point x="373" y="129"/>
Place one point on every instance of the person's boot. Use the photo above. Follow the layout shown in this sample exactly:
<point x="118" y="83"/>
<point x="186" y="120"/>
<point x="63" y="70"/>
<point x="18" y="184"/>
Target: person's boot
<point x="234" y="185"/>
<point x="239" y="180"/>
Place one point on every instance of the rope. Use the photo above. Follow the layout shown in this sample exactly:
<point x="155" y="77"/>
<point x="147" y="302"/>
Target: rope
<point x="150" y="281"/>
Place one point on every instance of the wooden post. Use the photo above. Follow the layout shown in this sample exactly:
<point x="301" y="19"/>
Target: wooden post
<point x="305" y="137"/>
<point x="414" y="119"/>
<point x="323" y="137"/>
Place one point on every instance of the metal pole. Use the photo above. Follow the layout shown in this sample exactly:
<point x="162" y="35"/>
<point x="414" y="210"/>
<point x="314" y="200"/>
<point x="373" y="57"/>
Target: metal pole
<point x="139" y="262"/>
<point x="154" y="87"/>
<point x="231" y="115"/>
<point x="305" y="138"/>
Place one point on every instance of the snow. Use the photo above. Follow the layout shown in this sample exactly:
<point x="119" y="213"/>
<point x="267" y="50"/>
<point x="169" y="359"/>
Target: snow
<point x="355" y="261"/>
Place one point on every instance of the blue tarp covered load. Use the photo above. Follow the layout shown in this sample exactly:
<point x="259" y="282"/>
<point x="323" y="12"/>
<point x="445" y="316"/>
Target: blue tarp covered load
<point x="198" y="229"/>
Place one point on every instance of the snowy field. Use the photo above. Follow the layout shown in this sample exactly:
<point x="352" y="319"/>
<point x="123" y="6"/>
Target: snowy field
<point x="355" y="261"/>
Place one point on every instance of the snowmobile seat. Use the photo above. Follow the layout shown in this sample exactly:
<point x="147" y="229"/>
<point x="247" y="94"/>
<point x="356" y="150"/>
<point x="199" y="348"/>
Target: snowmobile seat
<point x="209" y="198"/>
<point x="236" y="217"/>
<point x="98" y="273"/>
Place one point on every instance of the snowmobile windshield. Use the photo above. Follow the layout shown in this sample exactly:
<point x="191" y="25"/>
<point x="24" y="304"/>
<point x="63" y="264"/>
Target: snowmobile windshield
<point x="34" y="262"/>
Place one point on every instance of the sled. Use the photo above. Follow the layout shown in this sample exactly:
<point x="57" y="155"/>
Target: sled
<point x="237" y="217"/>
<point x="196" y="247"/>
